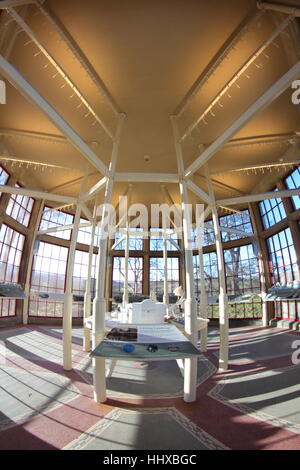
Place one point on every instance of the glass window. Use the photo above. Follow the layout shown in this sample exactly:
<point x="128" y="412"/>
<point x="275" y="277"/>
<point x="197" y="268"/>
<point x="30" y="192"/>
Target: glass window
<point x="20" y="208"/>
<point x="3" y="176"/>
<point x="283" y="260"/>
<point x="135" y="275"/>
<point x="157" y="274"/>
<point x="210" y="272"/>
<point x="135" y="242"/>
<point x="293" y="182"/>
<point x="239" y="221"/>
<point x="48" y="275"/>
<point x="157" y="241"/>
<point x="241" y="267"/>
<point x="208" y="236"/>
<point x="79" y="279"/>
<point x="11" y="248"/>
<point x="271" y="211"/>
<point x="54" y="218"/>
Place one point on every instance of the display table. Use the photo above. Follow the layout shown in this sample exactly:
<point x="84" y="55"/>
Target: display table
<point x="169" y="344"/>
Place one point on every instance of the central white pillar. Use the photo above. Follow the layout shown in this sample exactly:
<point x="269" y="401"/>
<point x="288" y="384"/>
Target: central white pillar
<point x="190" y="306"/>
<point x="100" y="303"/>
<point x="223" y="299"/>
<point x="68" y="297"/>
<point x="87" y="295"/>
<point x="30" y="263"/>
<point x="125" y="292"/>
<point x="166" y="290"/>
<point x="203" y="302"/>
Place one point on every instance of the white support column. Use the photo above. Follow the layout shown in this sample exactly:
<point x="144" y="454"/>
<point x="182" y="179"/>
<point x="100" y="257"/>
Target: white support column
<point x="87" y="295"/>
<point x="125" y="292"/>
<point x="203" y="302"/>
<point x="261" y="265"/>
<point x="190" y="306"/>
<point x="166" y="293"/>
<point x="68" y="298"/>
<point x="29" y="266"/>
<point x="99" y="303"/>
<point x="223" y="300"/>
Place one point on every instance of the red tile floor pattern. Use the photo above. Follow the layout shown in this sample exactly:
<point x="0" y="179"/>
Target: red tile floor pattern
<point x="235" y="429"/>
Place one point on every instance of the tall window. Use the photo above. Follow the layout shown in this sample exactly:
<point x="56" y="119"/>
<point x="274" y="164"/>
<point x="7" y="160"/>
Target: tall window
<point x="239" y="221"/>
<point x="242" y="277"/>
<point x="283" y="260"/>
<point x="157" y="241"/>
<point x="3" y="176"/>
<point x="85" y="233"/>
<point x="157" y="274"/>
<point x="241" y="266"/>
<point x="11" y="247"/>
<point x="20" y="207"/>
<point x="293" y="182"/>
<point x="135" y="275"/>
<point x="210" y="273"/>
<point x="79" y="280"/>
<point x="48" y="276"/>
<point x="53" y="218"/>
<point x="271" y="211"/>
<point x="135" y="242"/>
<point x="208" y="237"/>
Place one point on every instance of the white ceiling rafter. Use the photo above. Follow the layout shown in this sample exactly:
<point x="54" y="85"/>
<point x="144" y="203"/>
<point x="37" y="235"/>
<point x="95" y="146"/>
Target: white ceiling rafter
<point x="219" y="57"/>
<point x="261" y="103"/>
<point x="258" y="197"/>
<point x="37" y="194"/>
<point x="32" y="95"/>
<point x="77" y="52"/>
<point x="237" y="75"/>
<point x="37" y="41"/>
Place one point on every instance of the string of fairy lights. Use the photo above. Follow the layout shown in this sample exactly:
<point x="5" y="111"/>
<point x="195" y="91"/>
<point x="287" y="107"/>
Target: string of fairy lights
<point x="13" y="163"/>
<point x="235" y="80"/>
<point x="263" y="168"/>
<point x="83" y="102"/>
<point x="210" y="111"/>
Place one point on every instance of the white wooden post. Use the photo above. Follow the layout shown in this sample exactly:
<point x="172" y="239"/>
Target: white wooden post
<point x="29" y="266"/>
<point x="203" y="302"/>
<point x="261" y="266"/>
<point x="166" y="293"/>
<point x="99" y="304"/>
<point x="223" y="300"/>
<point x="68" y="297"/>
<point x="125" y="292"/>
<point x="190" y="306"/>
<point x="87" y="295"/>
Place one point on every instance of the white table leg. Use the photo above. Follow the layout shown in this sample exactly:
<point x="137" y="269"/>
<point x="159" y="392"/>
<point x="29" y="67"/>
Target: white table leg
<point x="180" y="363"/>
<point x="190" y="379"/>
<point x="99" y="380"/>
<point x="111" y="368"/>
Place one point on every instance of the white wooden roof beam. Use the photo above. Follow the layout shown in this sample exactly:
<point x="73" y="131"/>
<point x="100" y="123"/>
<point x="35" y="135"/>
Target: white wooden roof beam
<point x="147" y="177"/>
<point x="261" y="103"/>
<point x="14" y="3"/>
<point x="93" y="190"/>
<point x="259" y="197"/>
<point x="73" y="46"/>
<point x="26" y="89"/>
<point x="36" y="194"/>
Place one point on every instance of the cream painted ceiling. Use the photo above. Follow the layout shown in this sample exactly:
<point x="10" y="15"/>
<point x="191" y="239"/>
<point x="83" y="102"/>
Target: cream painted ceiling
<point x="148" y="54"/>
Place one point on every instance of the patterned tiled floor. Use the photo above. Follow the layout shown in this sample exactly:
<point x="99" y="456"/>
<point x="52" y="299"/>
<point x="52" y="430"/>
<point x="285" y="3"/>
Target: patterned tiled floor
<point x="254" y="405"/>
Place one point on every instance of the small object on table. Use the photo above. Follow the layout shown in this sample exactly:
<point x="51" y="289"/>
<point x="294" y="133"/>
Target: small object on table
<point x="173" y="348"/>
<point x="152" y="348"/>
<point x="128" y="348"/>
